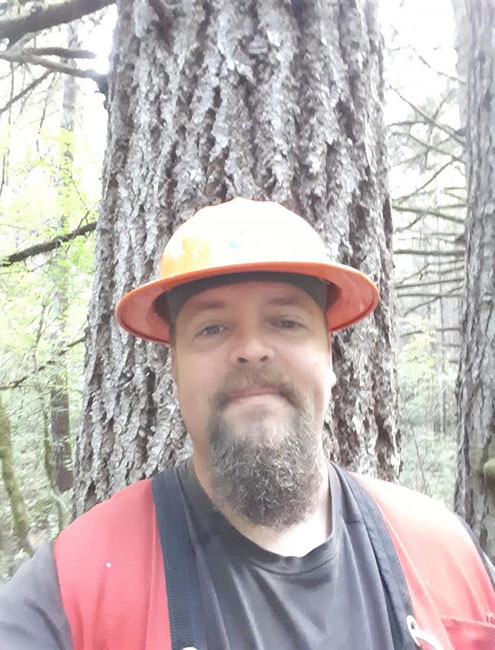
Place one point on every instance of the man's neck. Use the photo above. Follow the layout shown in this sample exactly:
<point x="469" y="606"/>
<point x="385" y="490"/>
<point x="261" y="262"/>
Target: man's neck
<point x="298" y="540"/>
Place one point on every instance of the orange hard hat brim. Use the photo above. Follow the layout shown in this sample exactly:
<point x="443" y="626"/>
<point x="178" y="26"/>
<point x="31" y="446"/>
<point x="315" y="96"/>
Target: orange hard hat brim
<point x="357" y="295"/>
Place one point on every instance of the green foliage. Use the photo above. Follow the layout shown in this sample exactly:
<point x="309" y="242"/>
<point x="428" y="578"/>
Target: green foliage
<point x="427" y="413"/>
<point x="49" y="186"/>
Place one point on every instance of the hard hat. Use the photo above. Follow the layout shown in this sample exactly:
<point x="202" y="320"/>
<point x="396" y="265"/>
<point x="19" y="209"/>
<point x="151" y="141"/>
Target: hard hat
<point x="238" y="236"/>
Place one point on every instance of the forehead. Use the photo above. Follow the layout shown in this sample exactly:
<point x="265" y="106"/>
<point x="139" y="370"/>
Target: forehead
<point x="261" y="293"/>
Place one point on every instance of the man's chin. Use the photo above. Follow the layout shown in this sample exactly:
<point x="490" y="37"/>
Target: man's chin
<point x="260" y="426"/>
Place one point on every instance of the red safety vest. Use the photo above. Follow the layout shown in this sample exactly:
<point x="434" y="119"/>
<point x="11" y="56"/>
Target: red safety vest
<point x="111" y="575"/>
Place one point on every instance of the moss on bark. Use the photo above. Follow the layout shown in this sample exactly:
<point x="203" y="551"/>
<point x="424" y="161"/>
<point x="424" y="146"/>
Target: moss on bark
<point x="17" y="505"/>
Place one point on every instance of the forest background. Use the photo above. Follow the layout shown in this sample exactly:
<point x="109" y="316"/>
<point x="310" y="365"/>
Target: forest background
<point x="52" y="141"/>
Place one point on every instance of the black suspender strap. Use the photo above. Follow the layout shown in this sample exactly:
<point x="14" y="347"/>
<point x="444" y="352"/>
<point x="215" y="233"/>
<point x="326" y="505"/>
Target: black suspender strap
<point x="179" y="561"/>
<point x="399" y="599"/>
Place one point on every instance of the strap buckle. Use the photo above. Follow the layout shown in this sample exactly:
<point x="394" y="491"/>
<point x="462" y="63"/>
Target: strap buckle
<point x="420" y="637"/>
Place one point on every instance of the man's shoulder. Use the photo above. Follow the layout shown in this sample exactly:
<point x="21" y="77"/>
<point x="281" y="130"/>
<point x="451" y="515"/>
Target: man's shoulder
<point x="105" y="560"/>
<point x="424" y="530"/>
<point x="405" y="503"/>
<point x="128" y="509"/>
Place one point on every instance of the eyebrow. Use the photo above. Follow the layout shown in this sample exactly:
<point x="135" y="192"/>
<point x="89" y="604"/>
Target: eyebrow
<point x="205" y="305"/>
<point x="212" y="304"/>
<point x="286" y="302"/>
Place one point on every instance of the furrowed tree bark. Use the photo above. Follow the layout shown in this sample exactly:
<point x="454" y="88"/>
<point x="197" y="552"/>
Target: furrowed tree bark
<point x="475" y="484"/>
<point x="270" y="100"/>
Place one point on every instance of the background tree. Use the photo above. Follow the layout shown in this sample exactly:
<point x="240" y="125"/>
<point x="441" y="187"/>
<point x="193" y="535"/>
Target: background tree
<point x="279" y="100"/>
<point x="15" y="497"/>
<point x="427" y="186"/>
<point x="59" y="389"/>
<point x="475" y="485"/>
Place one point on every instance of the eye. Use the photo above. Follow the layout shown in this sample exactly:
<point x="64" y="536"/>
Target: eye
<point x="288" y="324"/>
<point x="211" y="330"/>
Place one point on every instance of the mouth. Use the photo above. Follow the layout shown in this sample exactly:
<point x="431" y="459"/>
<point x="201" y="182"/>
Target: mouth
<point x="251" y="393"/>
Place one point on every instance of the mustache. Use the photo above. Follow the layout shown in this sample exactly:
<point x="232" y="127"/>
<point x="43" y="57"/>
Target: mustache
<point x="241" y="379"/>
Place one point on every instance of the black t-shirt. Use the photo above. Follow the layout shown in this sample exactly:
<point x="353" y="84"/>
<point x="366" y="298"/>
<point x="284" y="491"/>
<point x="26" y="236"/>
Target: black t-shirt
<point x="332" y="598"/>
<point x="253" y="599"/>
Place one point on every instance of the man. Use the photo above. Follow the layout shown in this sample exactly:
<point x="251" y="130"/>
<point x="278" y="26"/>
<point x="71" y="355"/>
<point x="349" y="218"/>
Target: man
<point x="265" y="545"/>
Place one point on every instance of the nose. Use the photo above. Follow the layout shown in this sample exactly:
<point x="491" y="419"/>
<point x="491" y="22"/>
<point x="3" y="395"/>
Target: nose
<point x="250" y="346"/>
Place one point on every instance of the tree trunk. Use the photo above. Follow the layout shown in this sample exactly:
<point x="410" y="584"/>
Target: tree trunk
<point x="475" y="485"/>
<point x="16" y="500"/>
<point x="271" y="100"/>
<point x="59" y="388"/>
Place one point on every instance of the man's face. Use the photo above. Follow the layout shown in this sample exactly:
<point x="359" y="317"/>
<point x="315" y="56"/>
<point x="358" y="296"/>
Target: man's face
<point x="253" y="370"/>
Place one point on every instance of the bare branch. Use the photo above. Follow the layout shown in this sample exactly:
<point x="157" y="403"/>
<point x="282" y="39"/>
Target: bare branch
<point x="414" y="251"/>
<point x="405" y="123"/>
<point x="430" y="180"/>
<point x="441" y="234"/>
<point x="450" y="269"/>
<point x="418" y="285"/>
<point x="63" y="52"/>
<point x="423" y="269"/>
<point x="419" y="306"/>
<point x="17" y="382"/>
<point x="411" y="159"/>
<point x="13" y="29"/>
<point x="24" y="92"/>
<point x="425" y="294"/>
<point x="437" y="330"/>
<point x="426" y="63"/>
<point x="425" y="303"/>
<point x="426" y="212"/>
<point x="53" y="66"/>
<point x="446" y="129"/>
<point x="431" y="147"/>
<point x="447" y="191"/>
<point x="47" y="246"/>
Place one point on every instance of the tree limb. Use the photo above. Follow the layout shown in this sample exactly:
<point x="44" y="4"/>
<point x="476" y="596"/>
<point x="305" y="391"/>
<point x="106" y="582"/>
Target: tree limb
<point x="452" y="206"/>
<point x="53" y="66"/>
<point x="414" y="251"/>
<point x="418" y="285"/>
<point x="425" y="303"/>
<point x="426" y="63"/>
<point x="47" y="246"/>
<point x="423" y="269"/>
<point x="430" y="180"/>
<point x="425" y="294"/>
<point x="430" y="147"/>
<point x="446" y="129"/>
<point x="17" y="382"/>
<point x="451" y="269"/>
<point x="426" y="212"/>
<point x="13" y="29"/>
<point x="426" y="270"/>
<point x="24" y="92"/>
<point x="63" y="52"/>
<point x="437" y="329"/>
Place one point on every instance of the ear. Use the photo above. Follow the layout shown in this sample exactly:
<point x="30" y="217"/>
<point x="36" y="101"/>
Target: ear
<point x="333" y="377"/>
<point x="173" y="362"/>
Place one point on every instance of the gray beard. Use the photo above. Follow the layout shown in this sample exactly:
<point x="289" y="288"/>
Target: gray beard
<point x="273" y="483"/>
